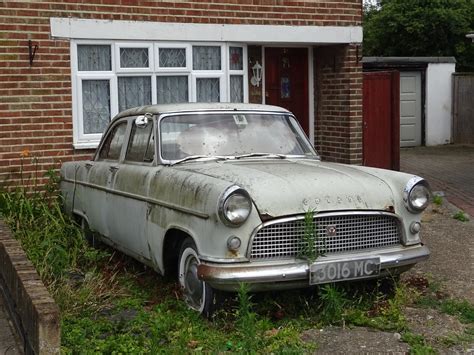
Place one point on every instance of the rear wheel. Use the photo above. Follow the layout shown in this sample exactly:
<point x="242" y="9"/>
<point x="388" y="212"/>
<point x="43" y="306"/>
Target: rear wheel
<point x="198" y="295"/>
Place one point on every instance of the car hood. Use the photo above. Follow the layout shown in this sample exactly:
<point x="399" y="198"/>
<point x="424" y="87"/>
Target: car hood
<point x="285" y="187"/>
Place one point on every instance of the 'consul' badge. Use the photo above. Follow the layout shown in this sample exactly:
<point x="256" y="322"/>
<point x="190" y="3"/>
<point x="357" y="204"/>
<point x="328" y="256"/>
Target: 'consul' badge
<point x="331" y="231"/>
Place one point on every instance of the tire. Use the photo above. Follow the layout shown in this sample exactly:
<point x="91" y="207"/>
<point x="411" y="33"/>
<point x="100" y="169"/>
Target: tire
<point x="197" y="294"/>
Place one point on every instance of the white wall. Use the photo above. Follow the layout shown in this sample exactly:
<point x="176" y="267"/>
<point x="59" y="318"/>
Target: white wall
<point x="438" y="103"/>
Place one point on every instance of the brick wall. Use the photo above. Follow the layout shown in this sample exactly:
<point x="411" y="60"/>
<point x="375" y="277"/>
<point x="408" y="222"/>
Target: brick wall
<point x="338" y="103"/>
<point x="35" y="101"/>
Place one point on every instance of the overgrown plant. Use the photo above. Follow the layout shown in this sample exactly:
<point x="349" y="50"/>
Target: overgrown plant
<point x="246" y="323"/>
<point x="52" y="242"/>
<point x="309" y="241"/>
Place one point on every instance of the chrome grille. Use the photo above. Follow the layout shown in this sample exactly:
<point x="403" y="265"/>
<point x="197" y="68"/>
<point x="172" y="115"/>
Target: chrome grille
<point x="286" y="239"/>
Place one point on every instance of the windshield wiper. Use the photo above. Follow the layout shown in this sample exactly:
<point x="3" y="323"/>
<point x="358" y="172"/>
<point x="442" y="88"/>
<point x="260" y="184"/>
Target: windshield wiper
<point x="195" y="157"/>
<point x="269" y="155"/>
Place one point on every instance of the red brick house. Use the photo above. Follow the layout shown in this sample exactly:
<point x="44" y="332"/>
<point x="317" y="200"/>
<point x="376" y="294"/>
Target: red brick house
<point x="67" y="66"/>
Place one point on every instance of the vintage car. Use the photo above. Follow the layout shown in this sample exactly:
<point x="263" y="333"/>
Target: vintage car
<point x="225" y="194"/>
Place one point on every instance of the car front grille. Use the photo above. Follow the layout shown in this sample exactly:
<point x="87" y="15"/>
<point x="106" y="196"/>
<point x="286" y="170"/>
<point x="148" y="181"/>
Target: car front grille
<point x="334" y="233"/>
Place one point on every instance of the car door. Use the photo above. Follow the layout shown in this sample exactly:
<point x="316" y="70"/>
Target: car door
<point x="100" y="177"/>
<point x="130" y="189"/>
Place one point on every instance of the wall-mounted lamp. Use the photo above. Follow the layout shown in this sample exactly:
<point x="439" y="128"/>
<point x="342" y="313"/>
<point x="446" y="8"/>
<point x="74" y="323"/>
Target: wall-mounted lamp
<point x="32" y="51"/>
<point x="256" y="74"/>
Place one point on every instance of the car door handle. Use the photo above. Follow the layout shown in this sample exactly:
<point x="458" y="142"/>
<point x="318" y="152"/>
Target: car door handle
<point x="89" y="165"/>
<point x="113" y="168"/>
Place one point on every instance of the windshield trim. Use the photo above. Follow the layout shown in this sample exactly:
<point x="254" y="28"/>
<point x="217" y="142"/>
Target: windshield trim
<point x="163" y="161"/>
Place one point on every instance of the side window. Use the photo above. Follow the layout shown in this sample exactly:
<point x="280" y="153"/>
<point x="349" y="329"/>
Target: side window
<point x="141" y="144"/>
<point x="113" y="143"/>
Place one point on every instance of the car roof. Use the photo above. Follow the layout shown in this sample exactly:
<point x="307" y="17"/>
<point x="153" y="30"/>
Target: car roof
<point x="189" y="107"/>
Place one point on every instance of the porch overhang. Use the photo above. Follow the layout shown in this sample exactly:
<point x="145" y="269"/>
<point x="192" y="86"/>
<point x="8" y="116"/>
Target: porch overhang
<point x="145" y="30"/>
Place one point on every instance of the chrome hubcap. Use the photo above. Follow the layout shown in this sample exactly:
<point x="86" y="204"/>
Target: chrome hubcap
<point x="193" y="287"/>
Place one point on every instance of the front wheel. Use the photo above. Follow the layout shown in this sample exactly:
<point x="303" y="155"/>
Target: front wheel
<point x="197" y="294"/>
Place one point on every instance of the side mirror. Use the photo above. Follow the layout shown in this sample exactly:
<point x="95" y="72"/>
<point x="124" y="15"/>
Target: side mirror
<point x="142" y="121"/>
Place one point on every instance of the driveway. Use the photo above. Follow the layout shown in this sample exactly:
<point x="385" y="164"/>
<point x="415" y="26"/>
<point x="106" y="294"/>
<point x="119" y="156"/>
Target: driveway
<point x="448" y="168"/>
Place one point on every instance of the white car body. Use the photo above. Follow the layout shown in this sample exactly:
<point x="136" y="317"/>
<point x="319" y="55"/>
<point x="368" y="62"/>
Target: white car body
<point x="362" y="216"/>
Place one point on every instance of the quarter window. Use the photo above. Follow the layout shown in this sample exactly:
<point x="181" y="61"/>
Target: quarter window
<point x="110" y="77"/>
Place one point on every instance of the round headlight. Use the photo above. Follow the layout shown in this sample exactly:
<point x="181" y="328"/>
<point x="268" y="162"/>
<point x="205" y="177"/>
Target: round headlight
<point x="235" y="206"/>
<point x="417" y="195"/>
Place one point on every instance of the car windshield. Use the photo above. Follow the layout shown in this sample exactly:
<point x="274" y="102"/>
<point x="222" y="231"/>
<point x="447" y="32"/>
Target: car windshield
<point x="232" y="135"/>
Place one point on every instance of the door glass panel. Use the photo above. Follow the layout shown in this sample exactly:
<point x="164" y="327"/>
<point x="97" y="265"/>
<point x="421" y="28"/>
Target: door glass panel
<point x="236" y="88"/>
<point x="172" y="57"/>
<point x="134" y="91"/>
<point x="113" y="143"/>
<point x="94" y="58"/>
<point x="95" y="105"/>
<point x="138" y="143"/>
<point x="134" y="58"/>
<point x="150" y="151"/>
<point x="172" y="89"/>
<point x="235" y="58"/>
<point x="206" y="57"/>
<point x="207" y="89"/>
<point x="285" y="87"/>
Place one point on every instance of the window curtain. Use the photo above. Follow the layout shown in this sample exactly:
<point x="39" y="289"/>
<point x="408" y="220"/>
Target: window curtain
<point x="95" y="105"/>
<point x="134" y="91"/>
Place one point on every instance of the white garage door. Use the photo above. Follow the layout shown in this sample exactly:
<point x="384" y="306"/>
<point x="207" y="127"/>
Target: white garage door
<point x="410" y="109"/>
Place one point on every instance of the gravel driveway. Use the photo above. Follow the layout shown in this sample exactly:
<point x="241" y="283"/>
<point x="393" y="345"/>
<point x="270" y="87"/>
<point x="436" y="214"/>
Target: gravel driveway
<point x="451" y="243"/>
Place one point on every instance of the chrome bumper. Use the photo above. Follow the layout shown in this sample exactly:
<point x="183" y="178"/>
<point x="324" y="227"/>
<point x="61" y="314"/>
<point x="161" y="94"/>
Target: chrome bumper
<point x="284" y="274"/>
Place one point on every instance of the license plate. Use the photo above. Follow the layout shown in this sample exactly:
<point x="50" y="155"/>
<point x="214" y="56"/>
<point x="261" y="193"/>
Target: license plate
<point x="332" y="271"/>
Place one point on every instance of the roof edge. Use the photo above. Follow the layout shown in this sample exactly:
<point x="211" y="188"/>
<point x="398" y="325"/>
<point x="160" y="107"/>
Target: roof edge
<point x="188" y="107"/>
<point x="435" y="60"/>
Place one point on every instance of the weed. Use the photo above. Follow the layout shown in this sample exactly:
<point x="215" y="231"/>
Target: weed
<point x="51" y="240"/>
<point x="463" y="310"/>
<point x="461" y="216"/>
<point x="464" y="339"/>
<point x="333" y="304"/>
<point x="437" y="200"/>
<point x="309" y="240"/>
<point x="418" y="345"/>
<point x="246" y="319"/>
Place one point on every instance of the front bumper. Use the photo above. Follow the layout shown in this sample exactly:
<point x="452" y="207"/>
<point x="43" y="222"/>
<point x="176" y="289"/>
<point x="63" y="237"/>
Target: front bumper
<point x="285" y="274"/>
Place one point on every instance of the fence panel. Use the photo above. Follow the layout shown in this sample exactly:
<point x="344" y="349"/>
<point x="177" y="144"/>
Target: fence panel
<point x="463" y="108"/>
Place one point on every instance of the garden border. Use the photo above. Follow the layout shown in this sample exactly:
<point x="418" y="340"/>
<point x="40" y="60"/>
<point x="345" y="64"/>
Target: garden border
<point x="34" y="312"/>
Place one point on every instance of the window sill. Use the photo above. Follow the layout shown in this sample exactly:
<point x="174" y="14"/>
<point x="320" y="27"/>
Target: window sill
<point x="86" y="145"/>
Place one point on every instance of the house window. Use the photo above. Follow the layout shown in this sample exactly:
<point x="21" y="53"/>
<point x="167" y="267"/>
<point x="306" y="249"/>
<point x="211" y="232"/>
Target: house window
<point x="110" y="77"/>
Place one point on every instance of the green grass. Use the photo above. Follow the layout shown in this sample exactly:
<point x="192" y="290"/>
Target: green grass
<point x="418" y="344"/>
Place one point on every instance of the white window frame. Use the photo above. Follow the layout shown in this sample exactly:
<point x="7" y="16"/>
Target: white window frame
<point x="189" y="56"/>
<point x="119" y="45"/>
<point x="88" y="141"/>
<point x="243" y="72"/>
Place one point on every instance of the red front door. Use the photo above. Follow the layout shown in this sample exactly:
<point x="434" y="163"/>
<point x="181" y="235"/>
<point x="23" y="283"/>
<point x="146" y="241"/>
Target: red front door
<point x="381" y="119"/>
<point x="286" y="81"/>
